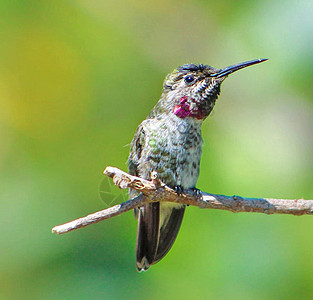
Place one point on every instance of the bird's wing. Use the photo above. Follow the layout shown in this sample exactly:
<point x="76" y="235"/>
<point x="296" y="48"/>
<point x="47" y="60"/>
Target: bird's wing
<point x="148" y="215"/>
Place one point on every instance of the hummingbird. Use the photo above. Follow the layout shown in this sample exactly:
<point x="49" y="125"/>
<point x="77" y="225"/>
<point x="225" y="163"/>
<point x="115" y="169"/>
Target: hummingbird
<point x="169" y="142"/>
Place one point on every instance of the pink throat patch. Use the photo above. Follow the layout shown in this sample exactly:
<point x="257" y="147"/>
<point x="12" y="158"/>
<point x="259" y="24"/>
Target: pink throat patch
<point x="182" y="110"/>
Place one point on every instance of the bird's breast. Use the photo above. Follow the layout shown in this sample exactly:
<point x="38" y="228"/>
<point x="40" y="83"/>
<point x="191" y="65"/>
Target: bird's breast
<point x="175" y="151"/>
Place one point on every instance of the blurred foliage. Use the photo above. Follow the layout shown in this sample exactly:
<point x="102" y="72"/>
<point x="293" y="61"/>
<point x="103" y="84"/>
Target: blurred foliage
<point x="77" y="77"/>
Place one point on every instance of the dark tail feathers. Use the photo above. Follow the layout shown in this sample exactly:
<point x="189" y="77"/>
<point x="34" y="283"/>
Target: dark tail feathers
<point x="158" y="226"/>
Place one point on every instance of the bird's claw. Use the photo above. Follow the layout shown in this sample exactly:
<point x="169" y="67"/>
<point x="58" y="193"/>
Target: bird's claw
<point x="196" y="193"/>
<point x="179" y="190"/>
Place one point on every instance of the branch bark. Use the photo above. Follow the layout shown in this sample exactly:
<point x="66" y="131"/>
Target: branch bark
<point x="155" y="190"/>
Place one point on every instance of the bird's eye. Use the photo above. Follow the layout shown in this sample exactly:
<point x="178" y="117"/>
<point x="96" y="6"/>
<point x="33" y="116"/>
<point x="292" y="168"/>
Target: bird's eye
<point x="189" y="79"/>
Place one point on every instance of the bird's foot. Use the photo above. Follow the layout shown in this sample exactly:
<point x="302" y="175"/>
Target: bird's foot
<point x="196" y="193"/>
<point x="179" y="190"/>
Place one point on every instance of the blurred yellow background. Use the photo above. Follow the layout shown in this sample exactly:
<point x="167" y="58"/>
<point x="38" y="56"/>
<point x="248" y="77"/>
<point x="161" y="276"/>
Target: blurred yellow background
<point x="77" y="77"/>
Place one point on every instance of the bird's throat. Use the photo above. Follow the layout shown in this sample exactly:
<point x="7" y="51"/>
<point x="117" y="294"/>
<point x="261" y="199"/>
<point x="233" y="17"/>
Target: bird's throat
<point x="183" y="110"/>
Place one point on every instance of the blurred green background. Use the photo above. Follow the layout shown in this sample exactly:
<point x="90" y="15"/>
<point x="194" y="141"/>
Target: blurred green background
<point x="77" y="77"/>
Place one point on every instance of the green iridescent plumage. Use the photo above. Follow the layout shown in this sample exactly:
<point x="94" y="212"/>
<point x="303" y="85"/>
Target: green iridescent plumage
<point x="169" y="141"/>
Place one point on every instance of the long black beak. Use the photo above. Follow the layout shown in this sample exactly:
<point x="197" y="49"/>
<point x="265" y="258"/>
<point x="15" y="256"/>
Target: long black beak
<point x="231" y="69"/>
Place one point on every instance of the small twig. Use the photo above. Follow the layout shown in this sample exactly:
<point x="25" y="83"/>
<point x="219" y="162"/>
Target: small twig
<point x="99" y="215"/>
<point x="155" y="190"/>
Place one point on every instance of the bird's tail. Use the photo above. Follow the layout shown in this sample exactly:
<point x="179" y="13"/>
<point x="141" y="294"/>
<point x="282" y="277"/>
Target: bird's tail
<point x="158" y="226"/>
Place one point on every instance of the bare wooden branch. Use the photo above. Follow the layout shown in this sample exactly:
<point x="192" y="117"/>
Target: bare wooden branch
<point x="99" y="215"/>
<point x="155" y="190"/>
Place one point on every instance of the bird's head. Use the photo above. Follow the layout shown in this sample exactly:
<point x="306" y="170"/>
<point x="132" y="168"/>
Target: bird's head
<point x="191" y="90"/>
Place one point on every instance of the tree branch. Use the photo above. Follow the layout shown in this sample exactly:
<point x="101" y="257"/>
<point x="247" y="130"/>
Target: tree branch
<point x="155" y="190"/>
